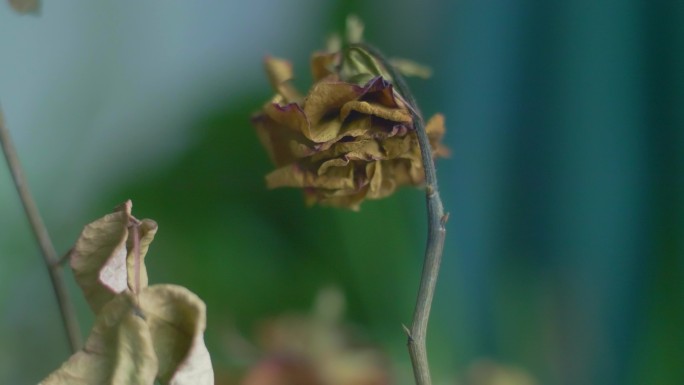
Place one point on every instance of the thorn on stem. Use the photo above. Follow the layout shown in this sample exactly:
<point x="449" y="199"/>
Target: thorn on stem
<point x="408" y="332"/>
<point x="445" y="218"/>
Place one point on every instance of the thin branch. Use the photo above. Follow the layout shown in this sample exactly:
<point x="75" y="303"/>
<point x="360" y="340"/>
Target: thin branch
<point x="436" y="229"/>
<point x="52" y="261"/>
<point x="135" y="233"/>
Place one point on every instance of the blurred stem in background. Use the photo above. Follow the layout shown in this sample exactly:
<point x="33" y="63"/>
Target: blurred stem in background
<point x="52" y="261"/>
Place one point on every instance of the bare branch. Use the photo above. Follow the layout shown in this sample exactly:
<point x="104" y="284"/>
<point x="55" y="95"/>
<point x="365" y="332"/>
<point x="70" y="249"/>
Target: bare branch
<point x="52" y="261"/>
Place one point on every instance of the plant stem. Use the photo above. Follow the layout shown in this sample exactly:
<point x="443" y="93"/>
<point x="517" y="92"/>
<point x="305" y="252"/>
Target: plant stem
<point x="48" y="250"/>
<point x="436" y="229"/>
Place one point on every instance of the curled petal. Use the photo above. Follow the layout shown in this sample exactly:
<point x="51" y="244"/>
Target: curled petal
<point x="435" y="130"/>
<point x="283" y="144"/>
<point x="389" y="113"/>
<point x="335" y="177"/>
<point x="280" y="74"/>
<point x="323" y="64"/>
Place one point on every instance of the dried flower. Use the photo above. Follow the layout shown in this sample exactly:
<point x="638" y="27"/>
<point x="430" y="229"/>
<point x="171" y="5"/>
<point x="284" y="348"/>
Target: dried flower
<point x="350" y="138"/>
<point x="317" y="348"/>
<point x="487" y="372"/>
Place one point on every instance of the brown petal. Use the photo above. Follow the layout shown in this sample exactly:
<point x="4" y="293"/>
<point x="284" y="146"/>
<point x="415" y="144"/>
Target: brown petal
<point x="278" y="70"/>
<point x="331" y="164"/>
<point x="295" y="176"/>
<point x="283" y="145"/>
<point x="349" y="200"/>
<point x="403" y="172"/>
<point x="289" y="116"/>
<point x="380" y="90"/>
<point x="355" y="127"/>
<point x="389" y="113"/>
<point x="322" y="109"/>
<point x="435" y="132"/>
<point x="363" y="127"/>
<point x="374" y="172"/>
<point x="287" y="176"/>
<point x="323" y="64"/>
<point x="279" y="74"/>
<point x="364" y="149"/>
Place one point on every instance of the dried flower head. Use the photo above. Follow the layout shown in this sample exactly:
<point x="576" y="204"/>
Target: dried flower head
<point x="317" y="348"/>
<point x="350" y="138"/>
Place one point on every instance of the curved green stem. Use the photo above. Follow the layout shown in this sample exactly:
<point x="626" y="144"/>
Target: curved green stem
<point x="436" y="229"/>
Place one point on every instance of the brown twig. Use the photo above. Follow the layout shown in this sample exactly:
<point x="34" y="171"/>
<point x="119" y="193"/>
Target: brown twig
<point x="135" y="234"/>
<point x="52" y="261"/>
<point x="436" y="229"/>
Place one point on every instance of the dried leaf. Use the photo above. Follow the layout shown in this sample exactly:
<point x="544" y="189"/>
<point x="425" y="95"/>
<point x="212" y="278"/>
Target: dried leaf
<point x="119" y="350"/>
<point x="99" y="257"/>
<point x="25" y="6"/>
<point x="103" y="259"/>
<point x="158" y="334"/>
<point x="163" y="323"/>
<point x="177" y="319"/>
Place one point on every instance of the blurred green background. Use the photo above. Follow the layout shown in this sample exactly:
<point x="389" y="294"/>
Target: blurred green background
<point x="565" y="245"/>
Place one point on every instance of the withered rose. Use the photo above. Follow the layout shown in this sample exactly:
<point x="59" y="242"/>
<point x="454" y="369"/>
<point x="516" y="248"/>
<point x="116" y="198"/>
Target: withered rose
<point x="319" y="348"/>
<point x="343" y="142"/>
